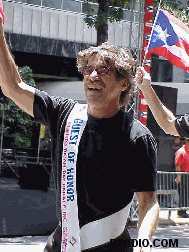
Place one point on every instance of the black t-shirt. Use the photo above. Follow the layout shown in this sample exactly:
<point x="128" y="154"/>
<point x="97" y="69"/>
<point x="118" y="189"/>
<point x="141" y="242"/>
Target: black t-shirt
<point x="116" y="157"/>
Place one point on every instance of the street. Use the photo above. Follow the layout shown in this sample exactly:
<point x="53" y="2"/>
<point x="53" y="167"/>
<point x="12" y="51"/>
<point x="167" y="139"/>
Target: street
<point x="37" y="243"/>
<point x="180" y="232"/>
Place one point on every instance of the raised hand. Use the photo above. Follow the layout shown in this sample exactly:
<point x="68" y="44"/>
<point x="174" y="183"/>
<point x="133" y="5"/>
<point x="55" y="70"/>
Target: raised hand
<point x="142" y="78"/>
<point x="2" y="15"/>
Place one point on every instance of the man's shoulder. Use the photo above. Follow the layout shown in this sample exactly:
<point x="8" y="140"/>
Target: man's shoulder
<point x="137" y="129"/>
<point x="55" y="101"/>
<point x="49" y="109"/>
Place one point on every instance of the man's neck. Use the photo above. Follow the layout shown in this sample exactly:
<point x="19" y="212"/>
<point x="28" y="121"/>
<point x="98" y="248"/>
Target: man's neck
<point x="101" y="112"/>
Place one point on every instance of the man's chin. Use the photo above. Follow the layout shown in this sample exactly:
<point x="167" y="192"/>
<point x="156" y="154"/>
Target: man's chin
<point x="94" y="101"/>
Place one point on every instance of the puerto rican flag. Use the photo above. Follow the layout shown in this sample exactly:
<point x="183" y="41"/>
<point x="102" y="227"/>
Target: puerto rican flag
<point x="170" y="39"/>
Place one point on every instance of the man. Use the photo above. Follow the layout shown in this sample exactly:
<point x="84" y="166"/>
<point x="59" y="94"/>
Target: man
<point x="114" y="155"/>
<point x="182" y="165"/>
<point x="164" y="117"/>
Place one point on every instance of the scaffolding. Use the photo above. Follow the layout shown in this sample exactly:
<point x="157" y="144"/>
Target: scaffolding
<point x="135" y="43"/>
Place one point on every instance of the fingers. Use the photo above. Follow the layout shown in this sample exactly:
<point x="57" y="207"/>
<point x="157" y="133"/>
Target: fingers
<point x="139" y="76"/>
<point x="144" y="73"/>
<point x="142" y="77"/>
<point x="177" y="181"/>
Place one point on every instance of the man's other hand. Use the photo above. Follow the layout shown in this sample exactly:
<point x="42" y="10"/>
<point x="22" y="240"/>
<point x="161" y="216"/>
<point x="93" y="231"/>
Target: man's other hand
<point x="178" y="179"/>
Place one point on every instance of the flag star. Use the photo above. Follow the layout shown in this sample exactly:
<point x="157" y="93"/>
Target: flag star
<point x="162" y="34"/>
<point x="166" y="35"/>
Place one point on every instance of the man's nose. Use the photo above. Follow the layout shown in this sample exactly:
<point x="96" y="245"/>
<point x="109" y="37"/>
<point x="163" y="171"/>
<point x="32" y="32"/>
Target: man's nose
<point x="94" y="75"/>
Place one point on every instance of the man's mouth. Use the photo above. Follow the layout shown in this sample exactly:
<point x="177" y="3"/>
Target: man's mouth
<point x="94" y="88"/>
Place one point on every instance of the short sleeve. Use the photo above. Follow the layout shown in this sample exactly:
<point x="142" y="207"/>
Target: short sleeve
<point x="182" y="125"/>
<point x="47" y="109"/>
<point x="145" y="164"/>
<point x="178" y="158"/>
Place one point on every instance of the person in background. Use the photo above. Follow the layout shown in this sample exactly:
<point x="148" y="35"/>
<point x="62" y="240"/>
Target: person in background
<point x="177" y="144"/>
<point x="182" y="165"/>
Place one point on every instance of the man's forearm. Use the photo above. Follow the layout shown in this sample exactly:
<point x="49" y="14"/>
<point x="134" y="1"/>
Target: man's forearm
<point x="177" y="168"/>
<point x="148" y="221"/>
<point x="10" y="81"/>
<point x="162" y="115"/>
<point x="9" y="75"/>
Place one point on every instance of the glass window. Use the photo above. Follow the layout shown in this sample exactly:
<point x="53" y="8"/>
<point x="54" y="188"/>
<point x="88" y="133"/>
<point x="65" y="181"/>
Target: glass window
<point x="186" y="77"/>
<point x="35" y="2"/>
<point x="161" y="70"/>
<point x="52" y="3"/>
<point x="23" y="1"/>
<point x="74" y="6"/>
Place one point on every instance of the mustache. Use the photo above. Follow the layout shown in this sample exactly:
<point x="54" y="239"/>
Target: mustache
<point x="98" y="84"/>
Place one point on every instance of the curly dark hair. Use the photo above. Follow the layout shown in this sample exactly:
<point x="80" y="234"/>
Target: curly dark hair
<point x="115" y="57"/>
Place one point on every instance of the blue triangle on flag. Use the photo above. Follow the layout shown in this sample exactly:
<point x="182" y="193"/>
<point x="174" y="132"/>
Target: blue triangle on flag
<point x="162" y="33"/>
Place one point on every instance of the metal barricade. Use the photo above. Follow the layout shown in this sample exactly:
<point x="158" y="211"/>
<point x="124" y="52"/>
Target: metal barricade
<point x="171" y="195"/>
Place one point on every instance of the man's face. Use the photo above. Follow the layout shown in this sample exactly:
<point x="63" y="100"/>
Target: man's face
<point x="100" y="85"/>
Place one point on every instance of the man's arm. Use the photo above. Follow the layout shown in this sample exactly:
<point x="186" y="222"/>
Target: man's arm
<point x="162" y="115"/>
<point x="178" y="177"/>
<point x="10" y="81"/>
<point x="178" y="163"/>
<point x="148" y="215"/>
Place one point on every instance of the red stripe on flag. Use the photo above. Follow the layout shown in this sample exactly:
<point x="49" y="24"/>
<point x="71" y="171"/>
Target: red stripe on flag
<point x="171" y="57"/>
<point x="185" y="45"/>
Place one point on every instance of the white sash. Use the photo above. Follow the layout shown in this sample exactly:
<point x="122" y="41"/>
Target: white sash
<point x="75" y="125"/>
<point x="94" y="233"/>
<point x="103" y="230"/>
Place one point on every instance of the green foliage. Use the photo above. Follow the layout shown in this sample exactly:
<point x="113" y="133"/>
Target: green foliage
<point x="116" y="15"/>
<point x="27" y="75"/>
<point x="17" y="123"/>
<point x="17" y="127"/>
<point x="120" y="3"/>
<point x="174" y="7"/>
<point x="171" y="4"/>
<point x="116" y="3"/>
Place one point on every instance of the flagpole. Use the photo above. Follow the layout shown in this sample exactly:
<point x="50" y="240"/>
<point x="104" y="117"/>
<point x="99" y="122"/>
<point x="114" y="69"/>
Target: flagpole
<point x="151" y="33"/>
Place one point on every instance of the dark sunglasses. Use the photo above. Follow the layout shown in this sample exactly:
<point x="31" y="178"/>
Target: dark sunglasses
<point x="100" y="71"/>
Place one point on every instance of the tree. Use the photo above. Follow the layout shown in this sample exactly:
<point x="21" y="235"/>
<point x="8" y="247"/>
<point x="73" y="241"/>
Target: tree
<point x="105" y="14"/>
<point x="174" y="7"/>
<point x="17" y="124"/>
<point x="102" y="19"/>
<point x="115" y="14"/>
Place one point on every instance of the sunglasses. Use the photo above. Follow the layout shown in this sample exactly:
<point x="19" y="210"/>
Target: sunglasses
<point x="100" y="71"/>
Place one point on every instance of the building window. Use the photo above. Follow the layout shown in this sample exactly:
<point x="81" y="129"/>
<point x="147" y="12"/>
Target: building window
<point x="161" y="70"/>
<point x="186" y="77"/>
